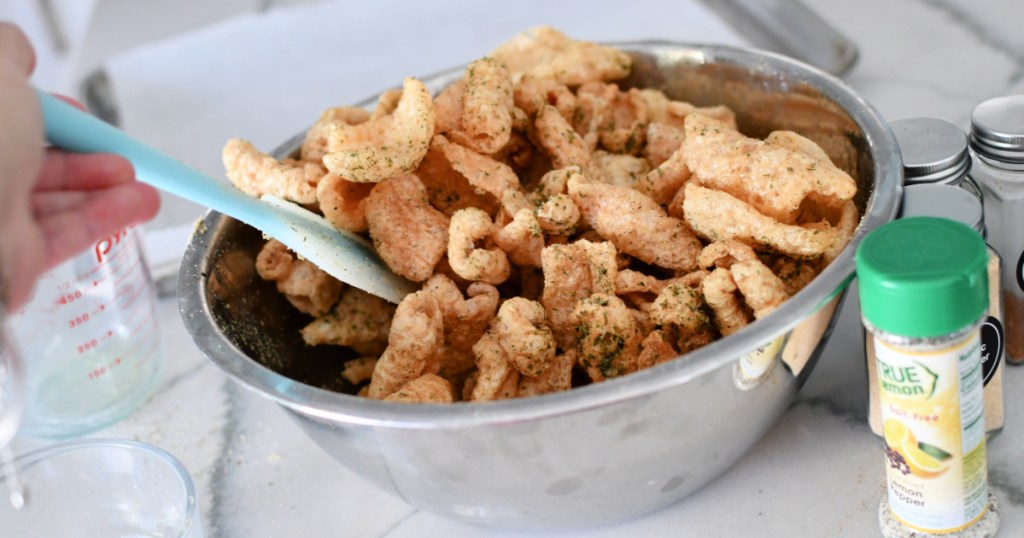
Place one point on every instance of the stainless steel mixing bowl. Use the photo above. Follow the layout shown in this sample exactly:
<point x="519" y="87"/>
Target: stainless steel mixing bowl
<point x="597" y="454"/>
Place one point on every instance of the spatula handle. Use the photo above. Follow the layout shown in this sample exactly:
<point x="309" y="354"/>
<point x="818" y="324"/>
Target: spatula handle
<point x="74" y="130"/>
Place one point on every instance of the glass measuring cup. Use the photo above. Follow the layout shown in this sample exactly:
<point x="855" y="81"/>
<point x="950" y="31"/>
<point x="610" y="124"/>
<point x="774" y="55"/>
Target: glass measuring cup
<point x="89" y="339"/>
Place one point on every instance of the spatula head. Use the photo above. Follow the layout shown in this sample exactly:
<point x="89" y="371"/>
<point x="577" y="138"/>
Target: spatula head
<point x="343" y="255"/>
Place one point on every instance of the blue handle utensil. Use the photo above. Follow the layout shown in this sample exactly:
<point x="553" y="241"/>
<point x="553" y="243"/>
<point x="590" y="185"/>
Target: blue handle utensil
<point x="341" y="254"/>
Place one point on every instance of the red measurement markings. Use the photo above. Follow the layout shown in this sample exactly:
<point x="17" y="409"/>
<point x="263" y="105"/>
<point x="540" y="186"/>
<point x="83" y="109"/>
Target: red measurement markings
<point x="78" y="321"/>
<point x="145" y="323"/>
<point x="94" y="343"/>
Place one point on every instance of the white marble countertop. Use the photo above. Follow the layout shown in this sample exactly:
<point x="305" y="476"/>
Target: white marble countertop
<point x="819" y="472"/>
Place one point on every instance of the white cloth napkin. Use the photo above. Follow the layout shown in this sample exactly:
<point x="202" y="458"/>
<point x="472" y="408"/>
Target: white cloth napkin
<point x="267" y="76"/>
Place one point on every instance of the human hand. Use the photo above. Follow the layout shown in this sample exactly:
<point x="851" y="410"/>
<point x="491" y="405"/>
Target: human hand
<point x="53" y="204"/>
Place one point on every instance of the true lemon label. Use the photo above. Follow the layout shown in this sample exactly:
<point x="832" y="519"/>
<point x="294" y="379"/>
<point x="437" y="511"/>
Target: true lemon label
<point x="934" y="429"/>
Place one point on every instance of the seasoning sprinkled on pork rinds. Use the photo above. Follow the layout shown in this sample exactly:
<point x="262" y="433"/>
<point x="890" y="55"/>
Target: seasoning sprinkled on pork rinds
<point x="496" y="378"/>
<point x="309" y="289"/>
<point x="359" y="320"/>
<point x="720" y="294"/>
<point x="388" y="146"/>
<point x="544" y="52"/>
<point x="717" y="215"/>
<point x="427" y="388"/>
<point x="556" y="377"/>
<point x="573" y="272"/>
<point x="607" y="337"/>
<point x="482" y="172"/>
<point x="771" y="178"/>
<point x="256" y="173"/>
<point x="414" y="344"/>
<point x="560" y="141"/>
<point x="636" y="224"/>
<point x="486" y="120"/>
<point x="408" y="234"/>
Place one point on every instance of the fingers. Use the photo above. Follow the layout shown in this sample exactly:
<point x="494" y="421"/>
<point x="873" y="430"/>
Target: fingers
<point x="64" y="171"/>
<point x="16" y="49"/>
<point x="97" y="214"/>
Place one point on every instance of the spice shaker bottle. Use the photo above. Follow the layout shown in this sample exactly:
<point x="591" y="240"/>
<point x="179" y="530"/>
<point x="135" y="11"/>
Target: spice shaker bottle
<point x="923" y="296"/>
<point x="90" y="340"/>
<point x="997" y="139"/>
<point x="945" y="200"/>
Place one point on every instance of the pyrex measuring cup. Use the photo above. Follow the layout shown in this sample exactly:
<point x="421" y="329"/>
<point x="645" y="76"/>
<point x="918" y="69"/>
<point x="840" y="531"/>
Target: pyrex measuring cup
<point x="89" y="339"/>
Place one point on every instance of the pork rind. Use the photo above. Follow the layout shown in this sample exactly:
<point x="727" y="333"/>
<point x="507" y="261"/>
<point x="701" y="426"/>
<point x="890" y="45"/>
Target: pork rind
<point x="566" y="230"/>
<point x="359" y="320"/>
<point x="771" y="178"/>
<point x="314" y="146"/>
<point x="385" y="147"/>
<point x="409" y="235"/>
<point x="257" y="173"/>
<point x="636" y="224"/>
<point x="415" y="343"/>
<point x="307" y="288"/>
<point x="544" y="52"/>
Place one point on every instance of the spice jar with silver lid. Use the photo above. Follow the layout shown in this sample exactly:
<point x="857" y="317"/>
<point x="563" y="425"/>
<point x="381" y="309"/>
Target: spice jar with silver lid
<point x="997" y="140"/>
<point x="934" y="151"/>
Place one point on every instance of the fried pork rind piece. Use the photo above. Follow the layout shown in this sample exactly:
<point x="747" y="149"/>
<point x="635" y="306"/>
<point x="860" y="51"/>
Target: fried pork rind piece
<point x="531" y="94"/>
<point x="849" y="218"/>
<point x="388" y="146"/>
<point x="618" y="169"/>
<point x="720" y="295"/>
<point x="558" y="215"/>
<point x="465" y="320"/>
<point x="522" y="239"/>
<point x="762" y="290"/>
<point x="661" y="109"/>
<point x="495" y="378"/>
<point x="469" y="227"/>
<point x="482" y="172"/>
<point x="359" y="320"/>
<point x="387" y="103"/>
<point x="314" y="146"/>
<point x="256" y="173"/>
<point x="486" y="118"/>
<point x="522" y="330"/>
<point x="655" y="348"/>
<point x="309" y="289"/>
<point x="556" y="377"/>
<point x="662" y="141"/>
<point x="427" y="388"/>
<point x="680" y="305"/>
<point x="560" y="141"/>
<point x="571" y="273"/>
<point x="619" y="118"/>
<point x="408" y="234"/>
<point x="636" y="224"/>
<point x="664" y="182"/>
<point x="359" y="370"/>
<point x="448" y="108"/>
<point x="447" y="189"/>
<point x="607" y="336"/>
<point x="341" y="202"/>
<point x="544" y="52"/>
<point x="771" y="178"/>
<point x="717" y="216"/>
<point x="414" y="345"/>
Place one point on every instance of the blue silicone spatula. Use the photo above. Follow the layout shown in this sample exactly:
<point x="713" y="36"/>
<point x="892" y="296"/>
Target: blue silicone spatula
<point x="341" y="254"/>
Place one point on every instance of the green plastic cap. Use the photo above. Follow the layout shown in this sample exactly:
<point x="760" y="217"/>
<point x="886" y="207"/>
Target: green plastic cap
<point x="922" y="277"/>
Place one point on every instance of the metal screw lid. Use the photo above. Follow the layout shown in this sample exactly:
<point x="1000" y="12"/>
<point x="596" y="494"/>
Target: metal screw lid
<point x="948" y="201"/>
<point x="933" y="150"/>
<point x="997" y="129"/>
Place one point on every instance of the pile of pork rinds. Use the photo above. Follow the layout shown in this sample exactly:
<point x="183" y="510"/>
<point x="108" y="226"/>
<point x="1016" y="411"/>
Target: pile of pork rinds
<point x="565" y="230"/>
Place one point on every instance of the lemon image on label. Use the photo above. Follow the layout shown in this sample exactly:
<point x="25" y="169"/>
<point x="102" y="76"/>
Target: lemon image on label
<point x="920" y="462"/>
